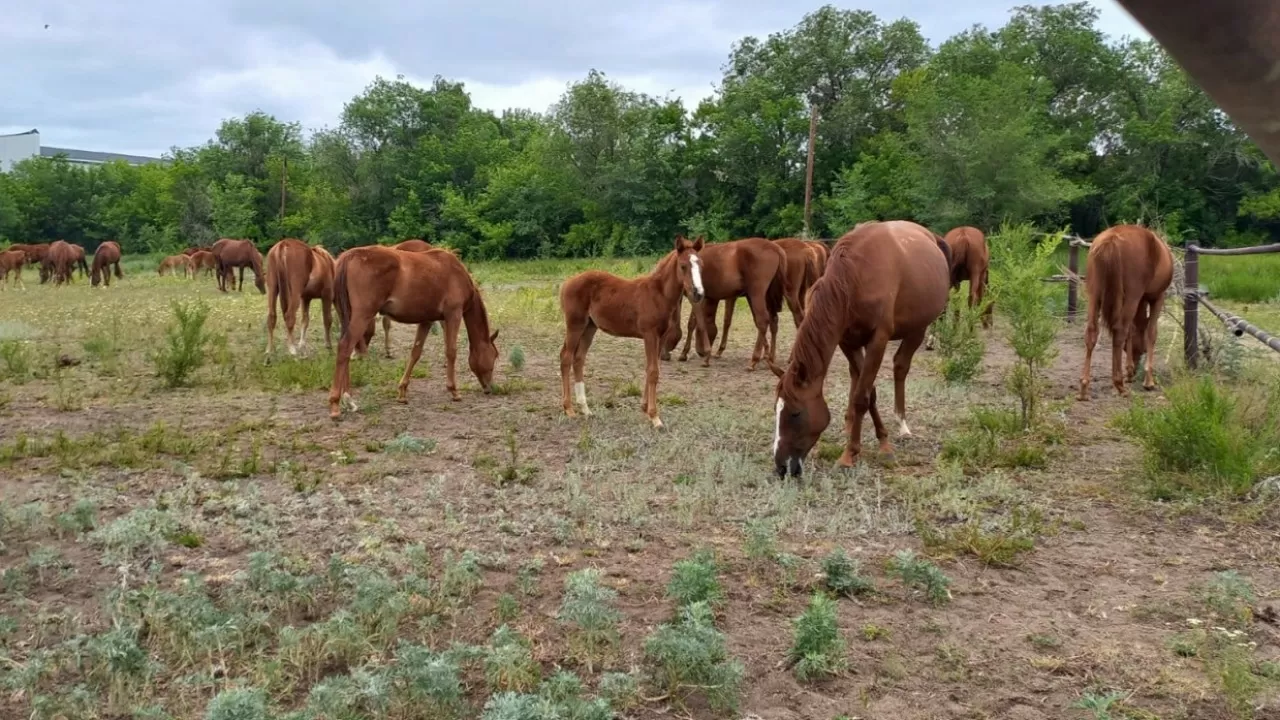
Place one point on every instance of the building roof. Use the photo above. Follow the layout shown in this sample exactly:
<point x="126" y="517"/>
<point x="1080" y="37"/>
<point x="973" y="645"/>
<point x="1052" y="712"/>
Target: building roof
<point x="92" y="156"/>
<point x="32" y="131"/>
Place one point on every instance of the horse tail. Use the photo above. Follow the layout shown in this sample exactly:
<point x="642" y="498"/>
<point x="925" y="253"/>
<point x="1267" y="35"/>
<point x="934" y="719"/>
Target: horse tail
<point x="341" y="298"/>
<point x="778" y="286"/>
<point x="1110" y="288"/>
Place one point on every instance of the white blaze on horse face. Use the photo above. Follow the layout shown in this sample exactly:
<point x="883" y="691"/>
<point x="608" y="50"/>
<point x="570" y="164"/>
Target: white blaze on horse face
<point x="695" y="269"/>
<point x="777" y="426"/>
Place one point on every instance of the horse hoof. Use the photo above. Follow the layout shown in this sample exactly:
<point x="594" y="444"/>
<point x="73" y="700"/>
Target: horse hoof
<point x="657" y="423"/>
<point x="847" y="459"/>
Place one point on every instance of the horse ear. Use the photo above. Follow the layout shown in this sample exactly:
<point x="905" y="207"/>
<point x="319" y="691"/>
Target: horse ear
<point x="680" y="241"/>
<point x="697" y="244"/>
<point x="494" y="336"/>
<point x="776" y="370"/>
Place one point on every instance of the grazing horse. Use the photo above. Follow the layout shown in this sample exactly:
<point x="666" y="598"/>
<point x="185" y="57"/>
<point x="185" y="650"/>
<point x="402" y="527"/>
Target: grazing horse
<point x="174" y="263"/>
<point x="638" y="308"/>
<point x="970" y="260"/>
<point x="296" y="275"/>
<point x="884" y="281"/>
<point x="36" y="255"/>
<point x="229" y="254"/>
<point x="11" y="261"/>
<point x="1127" y="273"/>
<point x="202" y="260"/>
<point x="411" y="245"/>
<point x="754" y="267"/>
<point x="106" y="257"/>
<point x="193" y="250"/>
<point x="416" y="289"/>
<point x="62" y="259"/>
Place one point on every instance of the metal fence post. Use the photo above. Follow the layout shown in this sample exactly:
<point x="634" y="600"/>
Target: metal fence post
<point x="1073" y="269"/>
<point x="1191" y="306"/>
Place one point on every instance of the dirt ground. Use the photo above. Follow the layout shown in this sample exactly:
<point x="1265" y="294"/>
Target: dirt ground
<point x="1091" y="611"/>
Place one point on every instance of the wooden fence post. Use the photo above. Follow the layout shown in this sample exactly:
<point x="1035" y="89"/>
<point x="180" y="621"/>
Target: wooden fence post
<point x="1073" y="268"/>
<point x="1191" y="306"/>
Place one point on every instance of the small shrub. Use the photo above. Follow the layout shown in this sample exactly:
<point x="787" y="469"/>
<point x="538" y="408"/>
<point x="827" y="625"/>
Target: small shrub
<point x="922" y="575"/>
<point x="1099" y="705"/>
<point x="1019" y="263"/>
<point x="185" y="344"/>
<point x="140" y="534"/>
<point x="508" y="608"/>
<point x="517" y="358"/>
<point x="1197" y="444"/>
<point x="405" y="443"/>
<point x="959" y="341"/>
<point x="17" y="361"/>
<point x="696" y="580"/>
<point x="509" y="663"/>
<point x="817" y="649"/>
<point x="81" y="518"/>
<point x="428" y="680"/>
<point x="999" y="546"/>
<point x="840" y="575"/>
<point x="688" y="656"/>
<point x="238" y="704"/>
<point x="761" y="543"/>
<point x="588" y="609"/>
<point x="1231" y="596"/>
<point x="622" y="690"/>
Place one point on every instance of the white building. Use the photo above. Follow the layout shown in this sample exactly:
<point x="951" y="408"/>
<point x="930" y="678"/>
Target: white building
<point x="20" y="146"/>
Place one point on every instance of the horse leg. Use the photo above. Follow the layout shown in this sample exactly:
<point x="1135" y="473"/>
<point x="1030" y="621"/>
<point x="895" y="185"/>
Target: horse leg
<point x="291" y="320"/>
<point x="1137" y="337"/>
<point x="1090" y="341"/>
<point x="760" y="313"/>
<point x="580" y="366"/>
<point x="341" y="389"/>
<point x="901" y="366"/>
<point x="386" y="333"/>
<point x="1119" y="342"/>
<point x="793" y="304"/>
<point x="241" y="288"/>
<point x="402" y="392"/>
<point x="326" y="308"/>
<point x="773" y="338"/>
<point x="728" y="320"/>
<point x="573" y="331"/>
<point x="855" y="356"/>
<point x="862" y="397"/>
<point x="1153" y="322"/>
<point x="306" y="323"/>
<point x="671" y="338"/>
<point x="652" y="346"/>
<point x="273" y="294"/>
<point x="451" y="325"/>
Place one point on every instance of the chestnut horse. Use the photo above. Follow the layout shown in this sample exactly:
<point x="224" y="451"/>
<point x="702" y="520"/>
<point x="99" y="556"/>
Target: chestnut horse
<point x="202" y="260"/>
<point x="36" y="255"/>
<point x="416" y="289"/>
<point x="884" y="281"/>
<point x="411" y="245"/>
<point x="638" y="308"/>
<point x="970" y="260"/>
<point x="296" y="275"/>
<point x="62" y="259"/>
<point x="229" y="254"/>
<point x="11" y="262"/>
<point x="1127" y="273"/>
<point x="106" y="257"/>
<point x="754" y="267"/>
<point x="174" y="263"/>
<point x="193" y="250"/>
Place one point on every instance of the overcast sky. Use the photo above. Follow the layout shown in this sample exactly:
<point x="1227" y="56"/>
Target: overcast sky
<point x="139" y="76"/>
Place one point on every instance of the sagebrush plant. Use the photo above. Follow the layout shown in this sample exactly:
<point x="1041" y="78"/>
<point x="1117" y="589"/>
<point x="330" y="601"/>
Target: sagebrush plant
<point x="958" y="339"/>
<point x="1020" y="259"/>
<point x="509" y="663"/>
<point x="688" y="656"/>
<point x="761" y="542"/>
<point x="588" y="609"/>
<point x="817" y="649"/>
<point x="1230" y="596"/>
<point x="842" y="575"/>
<point x="1200" y="444"/>
<point x="238" y="704"/>
<point x="696" y="580"/>
<point x="17" y="361"/>
<point x="186" y="341"/>
<point x="517" y="358"/>
<point x="920" y="574"/>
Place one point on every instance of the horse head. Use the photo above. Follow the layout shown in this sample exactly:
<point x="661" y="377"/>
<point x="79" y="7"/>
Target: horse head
<point x="800" y="416"/>
<point x="689" y="267"/>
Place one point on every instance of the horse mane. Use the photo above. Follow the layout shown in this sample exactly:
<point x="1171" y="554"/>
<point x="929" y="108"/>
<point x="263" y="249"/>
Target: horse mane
<point x="823" y="324"/>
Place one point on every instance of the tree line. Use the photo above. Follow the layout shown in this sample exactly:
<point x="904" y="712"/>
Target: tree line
<point x="1044" y="120"/>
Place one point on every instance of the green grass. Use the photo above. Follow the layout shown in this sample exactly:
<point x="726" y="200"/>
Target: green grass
<point x="1245" y="279"/>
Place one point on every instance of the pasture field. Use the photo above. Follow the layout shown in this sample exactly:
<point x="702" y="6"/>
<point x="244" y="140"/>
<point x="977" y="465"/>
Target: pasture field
<point x="223" y="550"/>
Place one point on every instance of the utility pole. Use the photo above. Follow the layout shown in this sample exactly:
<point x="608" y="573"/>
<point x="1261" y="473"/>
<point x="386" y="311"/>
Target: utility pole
<point x="808" y="173"/>
<point x="284" y="179"/>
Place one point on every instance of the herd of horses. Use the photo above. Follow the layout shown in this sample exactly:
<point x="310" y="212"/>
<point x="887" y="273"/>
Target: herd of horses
<point x="881" y="282"/>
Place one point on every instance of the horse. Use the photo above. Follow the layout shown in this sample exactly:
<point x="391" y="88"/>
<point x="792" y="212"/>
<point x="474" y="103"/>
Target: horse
<point x="412" y="288"/>
<point x="1128" y="270"/>
<point x="970" y="260"/>
<point x="105" y="258"/>
<point x="36" y="255"/>
<point x="193" y="250"/>
<point x="411" y="245"/>
<point x="296" y="275"/>
<point x="637" y="308"/>
<point x="202" y="260"/>
<point x="884" y="281"/>
<point x="62" y="259"/>
<point x="173" y="263"/>
<point x="11" y="262"/>
<point x="754" y="267"/>
<point x="229" y="254"/>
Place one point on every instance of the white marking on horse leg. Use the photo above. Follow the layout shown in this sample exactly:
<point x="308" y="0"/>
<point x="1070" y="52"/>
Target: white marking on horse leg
<point x="695" y="268"/>
<point x="903" y="430"/>
<point x="580" y="396"/>
<point x="350" y="402"/>
<point x="777" y="426"/>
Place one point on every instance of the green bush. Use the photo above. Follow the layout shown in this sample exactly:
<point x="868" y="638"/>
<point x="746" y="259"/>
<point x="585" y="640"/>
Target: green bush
<point x="588" y="609"/>
<point x="185" y="346"/>
<point x="958" y="339"/>
<point x="922" y="575"/>
<point x="696" y="580"/>
<point x="841" y="575"/>
<point x="817" y="649"/>
<point x="688" y="656"/>
<point x="1019" y="263"/>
